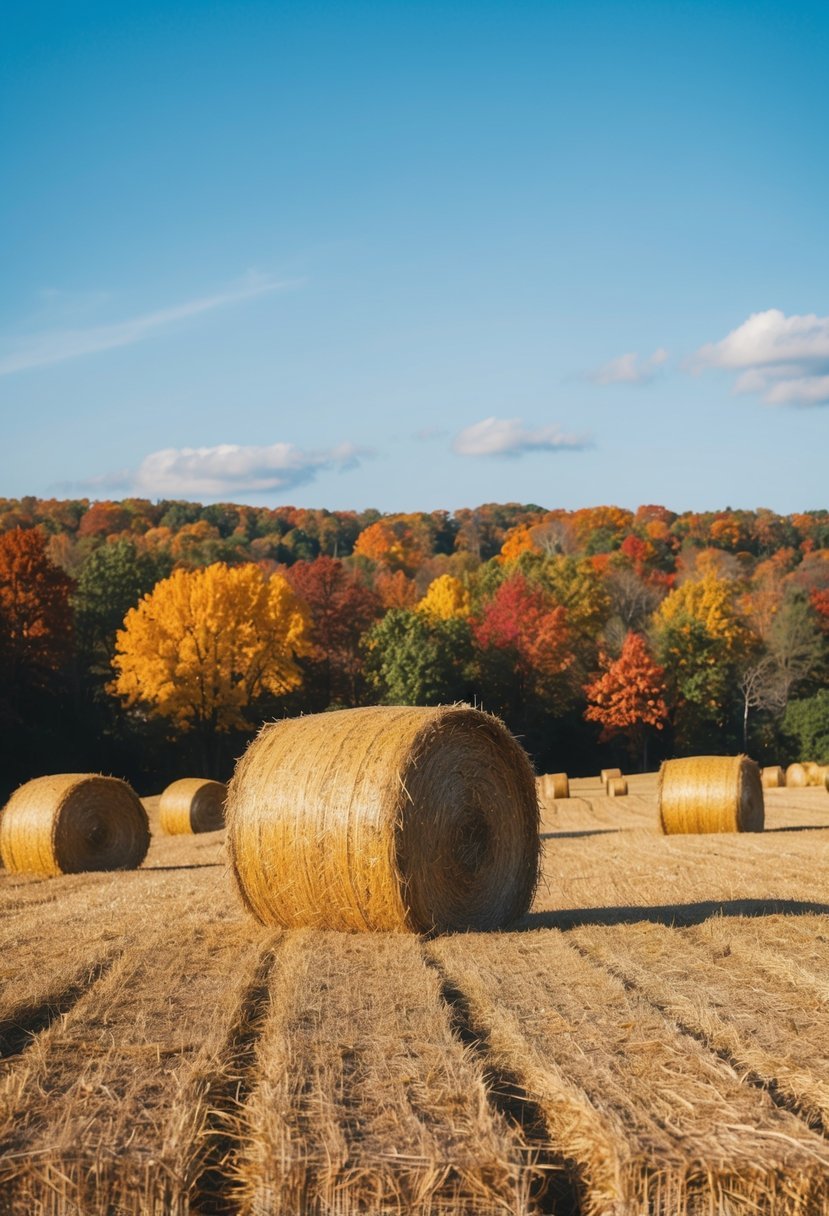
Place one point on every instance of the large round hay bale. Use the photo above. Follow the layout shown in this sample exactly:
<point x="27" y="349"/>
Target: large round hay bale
<point x="796" y="776"/>
<point x="607" y="774"/>
<point x="73" y="822"/>
<point x="617" y="787"/>
<point x="710" y="794"/>
<point x="554" y="785"/>
<point x="773" y="777"/>
<point x="388" y="818"/>
<point x="192" y="804"/>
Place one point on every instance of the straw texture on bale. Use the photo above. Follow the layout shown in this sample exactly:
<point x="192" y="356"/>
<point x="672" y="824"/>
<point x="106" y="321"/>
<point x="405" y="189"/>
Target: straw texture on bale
<point x="73" y="822"/>
<point x="796" y="776"/>
<point x="710" y="794"/>
<point x="773" y="777"/>
<point x="192" y="805"/>
<point x="554" y="785"/>
<point x="608" y="773"/>
<point x="392" y="818"/>
<point x="617" y="787"/>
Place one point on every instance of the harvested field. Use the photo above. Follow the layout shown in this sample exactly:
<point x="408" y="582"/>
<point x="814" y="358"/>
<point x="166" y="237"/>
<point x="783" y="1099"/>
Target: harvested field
<point x="651" y="1038"/>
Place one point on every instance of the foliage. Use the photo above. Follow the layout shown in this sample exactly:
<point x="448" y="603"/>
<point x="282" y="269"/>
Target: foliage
<point x="415" y="658"/>
<point x="446" y="598"/>
<point x="342" y="609"/>
<point x="629" y="696"/>
<point x="806" y="723"/>
<point x="113" y="580"/>
<point x="35" y="617"/>
<point x="205" y="644"/>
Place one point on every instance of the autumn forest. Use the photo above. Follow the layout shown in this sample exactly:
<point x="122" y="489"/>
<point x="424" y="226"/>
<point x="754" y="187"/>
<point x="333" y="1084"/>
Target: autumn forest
<point x="152" y="639"/>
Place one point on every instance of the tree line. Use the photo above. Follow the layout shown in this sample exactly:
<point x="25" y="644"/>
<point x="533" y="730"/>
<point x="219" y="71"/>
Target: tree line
<point x="152" y="639"/>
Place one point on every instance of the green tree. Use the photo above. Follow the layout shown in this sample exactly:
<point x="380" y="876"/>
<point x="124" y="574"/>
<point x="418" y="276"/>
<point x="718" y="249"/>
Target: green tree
<point x="416" y="659"/>
<point x="113" y="580"/>
<point x="806" y="723"/>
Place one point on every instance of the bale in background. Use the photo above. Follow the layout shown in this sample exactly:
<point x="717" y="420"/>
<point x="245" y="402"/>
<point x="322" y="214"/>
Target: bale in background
<point x="73" y="822"/>
<point x="617" y="787"/>
<point x="192" y="805"/>
<point x="796" y="776"/>
<point x="710" y="794"/>
<point x="607" y="774"/>
<point x="393" y="818"/>
<point x="773" y="777"/>
<point x="554" y="785"/>
<point x="815" y="773"/>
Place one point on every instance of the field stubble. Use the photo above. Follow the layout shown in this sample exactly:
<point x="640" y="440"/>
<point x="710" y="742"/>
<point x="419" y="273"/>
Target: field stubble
<point x="650" y="1039"/>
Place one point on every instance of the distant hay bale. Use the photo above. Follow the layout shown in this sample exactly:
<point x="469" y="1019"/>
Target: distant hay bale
<point x="815" y="773"/>
<point x="554" y="785"/>
<point x="617" y="787"/>
<point x="607" y="774"/>
<point x="796" y="776"/>
<point x="773" y="777"/>
<point x="392" y="818"/>
<point x="710" y="794"/>
<point x="192" y="804"/>
<point x="73" y="822"/>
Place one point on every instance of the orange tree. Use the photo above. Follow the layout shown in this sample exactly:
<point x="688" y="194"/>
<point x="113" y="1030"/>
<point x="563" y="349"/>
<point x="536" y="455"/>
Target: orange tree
<point x="628" y="698"/>
<point x="206" y="644"/>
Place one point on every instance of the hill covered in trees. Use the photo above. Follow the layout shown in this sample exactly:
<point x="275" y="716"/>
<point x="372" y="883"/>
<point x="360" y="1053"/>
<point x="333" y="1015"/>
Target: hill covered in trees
<point x="149" y="639"/>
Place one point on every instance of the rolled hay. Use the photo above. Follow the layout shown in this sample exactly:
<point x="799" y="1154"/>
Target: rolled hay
<point x="617" y="787"/>
<point x="72" y="822"/>
<point x="710" y="794"/>
<point x="607" y="774"/>
<point x="773" y="777"/>
<point x="392" y="818"/>
<point x="554" y="785"/>
<point x="192" y="804"/>
<point x="815" y="773"/>
<point x="796" y="776"/>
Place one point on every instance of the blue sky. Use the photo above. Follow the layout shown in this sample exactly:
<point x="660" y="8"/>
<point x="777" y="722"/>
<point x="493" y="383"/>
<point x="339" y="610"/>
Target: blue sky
<point x="416" y="255"/>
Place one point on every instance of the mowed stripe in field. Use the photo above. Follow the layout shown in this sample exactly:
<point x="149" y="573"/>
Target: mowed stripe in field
<point x="118" y="1105"/>
<point x="730" y="987"/>
<point x="649" y="1119"/>
<point x="365" y="1098"/>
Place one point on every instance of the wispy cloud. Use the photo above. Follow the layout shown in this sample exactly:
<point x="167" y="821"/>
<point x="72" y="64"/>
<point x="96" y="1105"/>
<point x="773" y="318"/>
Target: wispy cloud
<point x="630" y="369"/>
<point x="785" y="360"/>
<point x="57" y="345"/>
<point x="509" y="437"/>
<point x="229" y="470"/>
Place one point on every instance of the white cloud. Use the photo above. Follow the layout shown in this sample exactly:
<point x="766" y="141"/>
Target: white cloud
<point x="57" y="345"/>
<point x="630" y="369"/>
<point x="783" y="359"/>
<point x="230" y="470"/>
<point x="509" y="437"/>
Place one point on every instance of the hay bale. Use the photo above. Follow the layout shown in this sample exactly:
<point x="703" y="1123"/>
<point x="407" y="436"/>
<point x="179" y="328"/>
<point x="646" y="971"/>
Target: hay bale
<point x="554" y="785"/>
<point x="73" y="822"/>
<point x="773" y="777"/>
<point x="192" y="804"/>
<point x="617" y="787"/>
<point x="710" y="794"/>
<point x="607" y="774"/>
<point x="392" y="818"/>
<point x="815" y="773"/>
<point x="796" y="776"/>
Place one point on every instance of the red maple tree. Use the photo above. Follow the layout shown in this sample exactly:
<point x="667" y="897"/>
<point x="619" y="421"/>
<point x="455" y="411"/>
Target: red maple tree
<point x="628" y="698"/>
<point x="342" y="609"/>
<point x="35" y="616"/>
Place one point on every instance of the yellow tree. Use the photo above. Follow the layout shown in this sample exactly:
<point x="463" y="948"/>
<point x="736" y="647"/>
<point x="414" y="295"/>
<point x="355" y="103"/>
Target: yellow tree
<point x="205" y="643"/>
<point x="446" y="599"/>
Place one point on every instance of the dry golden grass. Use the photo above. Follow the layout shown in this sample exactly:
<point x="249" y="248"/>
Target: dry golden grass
<point x="650" y="1041"/>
